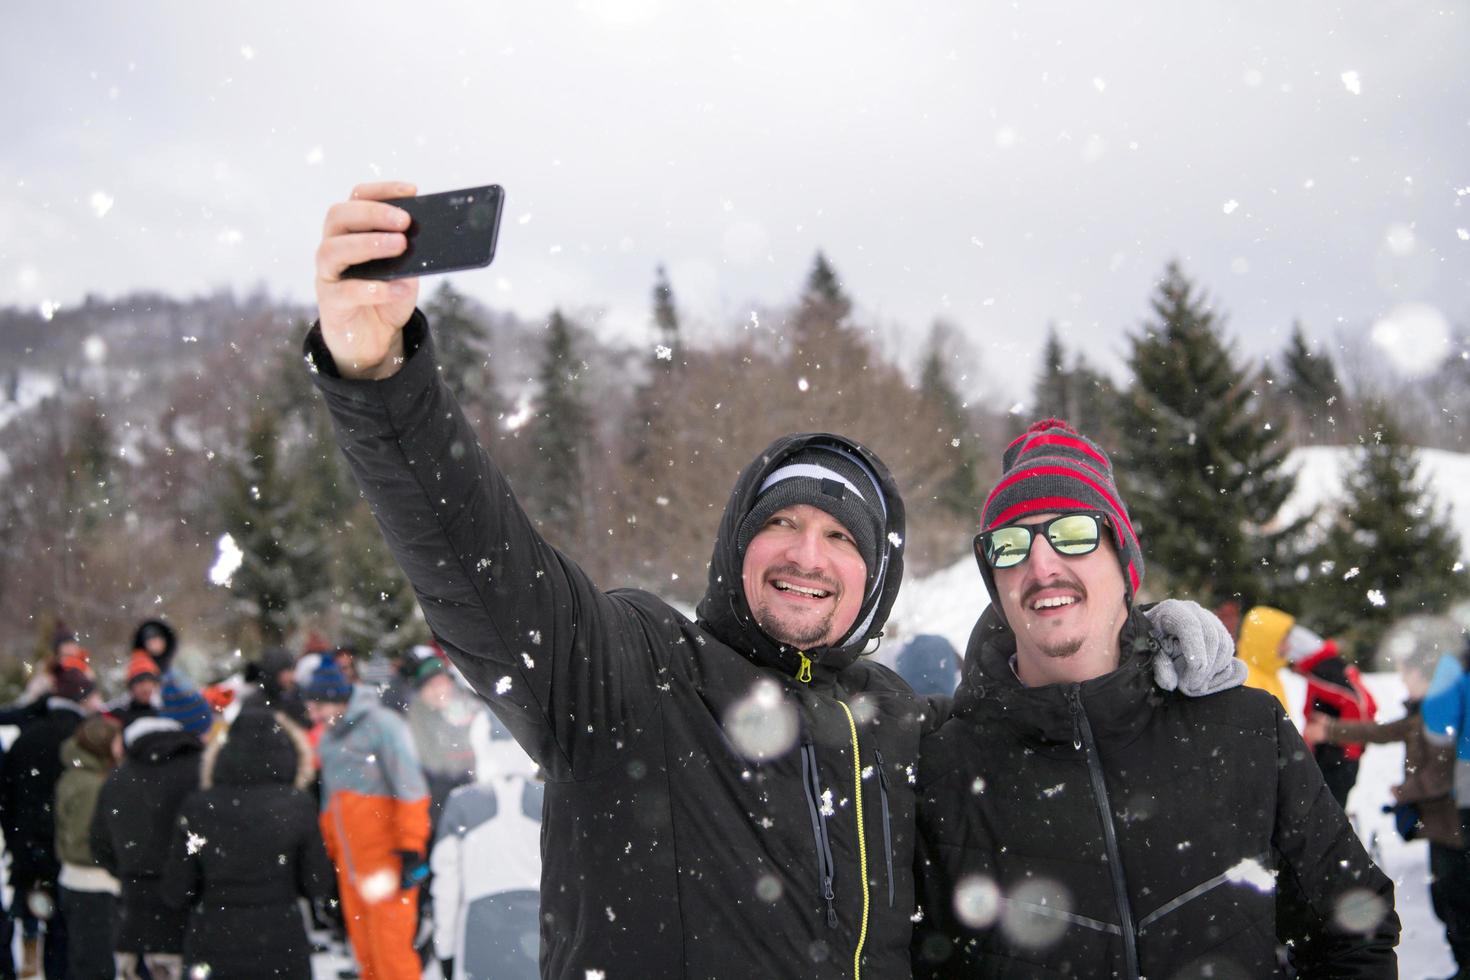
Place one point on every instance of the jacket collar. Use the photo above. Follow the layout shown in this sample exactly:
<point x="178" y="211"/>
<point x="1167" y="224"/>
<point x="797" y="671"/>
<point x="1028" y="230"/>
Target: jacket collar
<point x="724" y="612"/>
<point x="1118" y="704"/>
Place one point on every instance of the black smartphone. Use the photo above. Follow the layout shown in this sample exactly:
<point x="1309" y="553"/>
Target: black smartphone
<point x="449" y="231"/>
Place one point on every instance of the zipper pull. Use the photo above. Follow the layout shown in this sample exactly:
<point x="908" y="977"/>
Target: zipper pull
<point x="829" y="895"/>
<point x="1074" y="702"/>
<point x="882" y="774"/>
<point x="805" y="673"/>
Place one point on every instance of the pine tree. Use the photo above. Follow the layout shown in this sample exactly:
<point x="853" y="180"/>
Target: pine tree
<point x="666" y="319"/>
<point x="1389" y="552"/>
<point x="460" y="341"/>
<point x="959" y="491"/>
<point x="268" y="511"/>
<point x="824" y="289"/>
<point x="1201" y="470"/>
<point x="1053" y="395"/>
<point x="562" y="435"/>
<point x="1313" y="391"/>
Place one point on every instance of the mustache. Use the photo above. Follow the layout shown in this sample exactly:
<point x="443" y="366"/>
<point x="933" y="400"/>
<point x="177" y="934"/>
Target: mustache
<point x="1067" y="583"/>
<point x="794" y="571"/>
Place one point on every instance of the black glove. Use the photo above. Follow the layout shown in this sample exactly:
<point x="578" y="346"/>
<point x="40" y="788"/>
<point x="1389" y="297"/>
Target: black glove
<point x="414" y="869"/>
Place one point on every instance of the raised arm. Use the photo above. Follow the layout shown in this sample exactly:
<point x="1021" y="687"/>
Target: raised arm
<point x="570" y="670"/>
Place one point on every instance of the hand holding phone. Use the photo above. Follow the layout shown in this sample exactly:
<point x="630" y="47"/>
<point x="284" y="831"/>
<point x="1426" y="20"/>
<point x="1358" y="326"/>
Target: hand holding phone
<point x="447" y="232"/>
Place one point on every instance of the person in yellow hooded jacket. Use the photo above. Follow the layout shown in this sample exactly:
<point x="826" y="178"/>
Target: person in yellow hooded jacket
<point x="1262" y="631"/>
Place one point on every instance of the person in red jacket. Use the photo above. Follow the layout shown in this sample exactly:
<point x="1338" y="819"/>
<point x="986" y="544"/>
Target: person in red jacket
<point x="1334" y="689"/>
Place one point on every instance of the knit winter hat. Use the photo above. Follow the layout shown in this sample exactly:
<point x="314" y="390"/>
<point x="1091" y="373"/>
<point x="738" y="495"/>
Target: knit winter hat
<point x="428" y="669"/>
<point x="327" y="683"/>
<point x="186" y="707"/>
<point x="141" y="667"/>
<point x="831" y="480"/>
<point x="1301" y="643"/>
<point x="1052" y="468"/>
<point x="73" y="684"/>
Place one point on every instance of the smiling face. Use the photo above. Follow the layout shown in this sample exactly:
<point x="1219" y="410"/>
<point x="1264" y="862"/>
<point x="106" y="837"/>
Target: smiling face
<point x="803" y="577"/>
<point x="1067" y="612"/>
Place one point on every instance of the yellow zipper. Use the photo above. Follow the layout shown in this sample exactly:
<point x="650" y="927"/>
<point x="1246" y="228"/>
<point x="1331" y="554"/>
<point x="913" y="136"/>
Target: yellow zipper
<point x="857" y="785"/>
<point x="804" y="674"/>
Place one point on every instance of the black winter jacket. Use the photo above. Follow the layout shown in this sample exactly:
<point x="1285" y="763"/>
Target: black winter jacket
<point x="133" y="829"/>
<point x="28" y="792"/>
<point x="1110" y="829"/>
<point x="247" y="845"/>
<point x="674" y="845"/>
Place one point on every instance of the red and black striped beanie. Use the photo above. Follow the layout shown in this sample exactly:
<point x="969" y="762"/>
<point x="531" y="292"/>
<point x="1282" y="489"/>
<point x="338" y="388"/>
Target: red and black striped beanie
<point x="1052" y="468"/>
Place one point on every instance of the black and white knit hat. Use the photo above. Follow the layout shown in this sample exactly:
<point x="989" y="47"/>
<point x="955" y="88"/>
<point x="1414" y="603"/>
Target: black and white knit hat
<point x="829" y="479"/>
<point x="1052" y="468"/>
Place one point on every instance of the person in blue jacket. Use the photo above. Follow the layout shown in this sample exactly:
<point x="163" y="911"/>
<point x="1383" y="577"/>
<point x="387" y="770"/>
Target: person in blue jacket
<point x="1446" y="712"/>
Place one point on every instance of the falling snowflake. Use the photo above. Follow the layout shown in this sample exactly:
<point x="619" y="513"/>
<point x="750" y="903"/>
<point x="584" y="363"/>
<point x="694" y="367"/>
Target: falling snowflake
<point x="663" y="353"/>
<point x="802" y="384"/>
<point x="101" y="203"/>
<point x="1352" y="82"/>
<point x="195" y="843"/>
<point x="1377" y="598"/>
<point x="1229" y="206"/>
<point x="526" y="659"/>
<point x="827" y="808"/>
<point x="502" y="685"/>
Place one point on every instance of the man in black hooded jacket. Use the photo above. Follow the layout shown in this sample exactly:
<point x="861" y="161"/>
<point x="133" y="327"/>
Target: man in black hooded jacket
<point x="726" y="797"/>
<point x="1077" y="821"/>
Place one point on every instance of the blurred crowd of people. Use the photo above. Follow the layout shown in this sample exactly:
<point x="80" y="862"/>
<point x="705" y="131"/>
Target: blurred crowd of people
<point x="187" y="830"/>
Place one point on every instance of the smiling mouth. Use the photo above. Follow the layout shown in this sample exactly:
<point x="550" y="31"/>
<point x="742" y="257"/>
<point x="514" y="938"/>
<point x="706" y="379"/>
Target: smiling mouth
<point x="781" y="585"/>
<point x="1054" y="602"/>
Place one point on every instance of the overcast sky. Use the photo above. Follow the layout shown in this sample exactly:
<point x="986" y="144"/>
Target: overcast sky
<point x="998" y="165"/>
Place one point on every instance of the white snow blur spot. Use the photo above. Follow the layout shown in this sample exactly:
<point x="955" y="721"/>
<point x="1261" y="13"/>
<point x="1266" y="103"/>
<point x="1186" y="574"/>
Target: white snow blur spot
<point x="1359" y="910"/>
<point x="520" y="416"/>
<point x="1377" y="598"/>
<point x="1400" y="239"/>
<point x="595" y="975"/>
<point x="611" y="915"/>
<point x="1414" y="336"/>
<point x="802" y="384"/>
<point x="1030" y="917"/>
<point x="1251" y="872"/>
<point x="101" y="203"/>
<point x="1350" y="573"/>
<point x="535" y="637"/>
<point x="978" y="786"/>
<point x="247" y="52"/>
<point x="314" y="156"/>
<point x="200" y="971"/>
<point x="1464" y="234"/>
<point x="1229" y="206"/>
<point x="827" y="808"/>
<point x="977" y="901"/>
<point x="1352" y="82"/>
<point x="502" y="685"/>
<point x="94" y="349"/>
<point x="1051" y="791"/>
<point x="526" y="659"/>
<point x="230" y="236"/>
<point x="763" y="724"/>
<point x="48" y="309"/>
<point x="194" y="844"/>
<point x="768" y="889"/>
<point x="895" y="539"/>
<point x="378" y="886"/>
<point x="663" y="353"/>
<point x="524" y="219"/>
<point x="228" y="561"/>
<point x="1005" y="138"/>
<point x="1100" y="84"/>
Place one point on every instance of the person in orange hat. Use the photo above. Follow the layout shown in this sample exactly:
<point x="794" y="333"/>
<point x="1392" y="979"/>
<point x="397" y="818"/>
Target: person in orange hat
<point x="142" y="696"/>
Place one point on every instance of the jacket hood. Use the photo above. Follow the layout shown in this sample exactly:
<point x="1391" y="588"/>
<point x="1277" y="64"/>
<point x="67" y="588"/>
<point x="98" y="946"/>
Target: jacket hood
<point x="261" y="748"/>
<point x="364" y="699"/>
<point x="1117" y="703"/>
<point x="73" y="756"/>
<point x="1261" y="631"/>
<point x="153" y="741"/>
<point x="725" y="613"/>
<point x="170" y="640"/>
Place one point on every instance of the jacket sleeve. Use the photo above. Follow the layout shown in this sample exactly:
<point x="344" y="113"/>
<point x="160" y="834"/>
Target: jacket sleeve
<point x="100" y="836"/>
<point x="568" y="669"/>
<point x="180" y="885"/>
<point x="1359" y="732"/>
<point x="313" y="869"/>
<point x="446" y="885"/>
<point x="1334" y="906"/>
<point x="405" y="778"/>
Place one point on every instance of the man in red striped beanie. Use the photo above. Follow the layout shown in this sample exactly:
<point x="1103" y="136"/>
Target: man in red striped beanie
<point x="1067" y="611"/>
<point x="1077" y="816"/>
